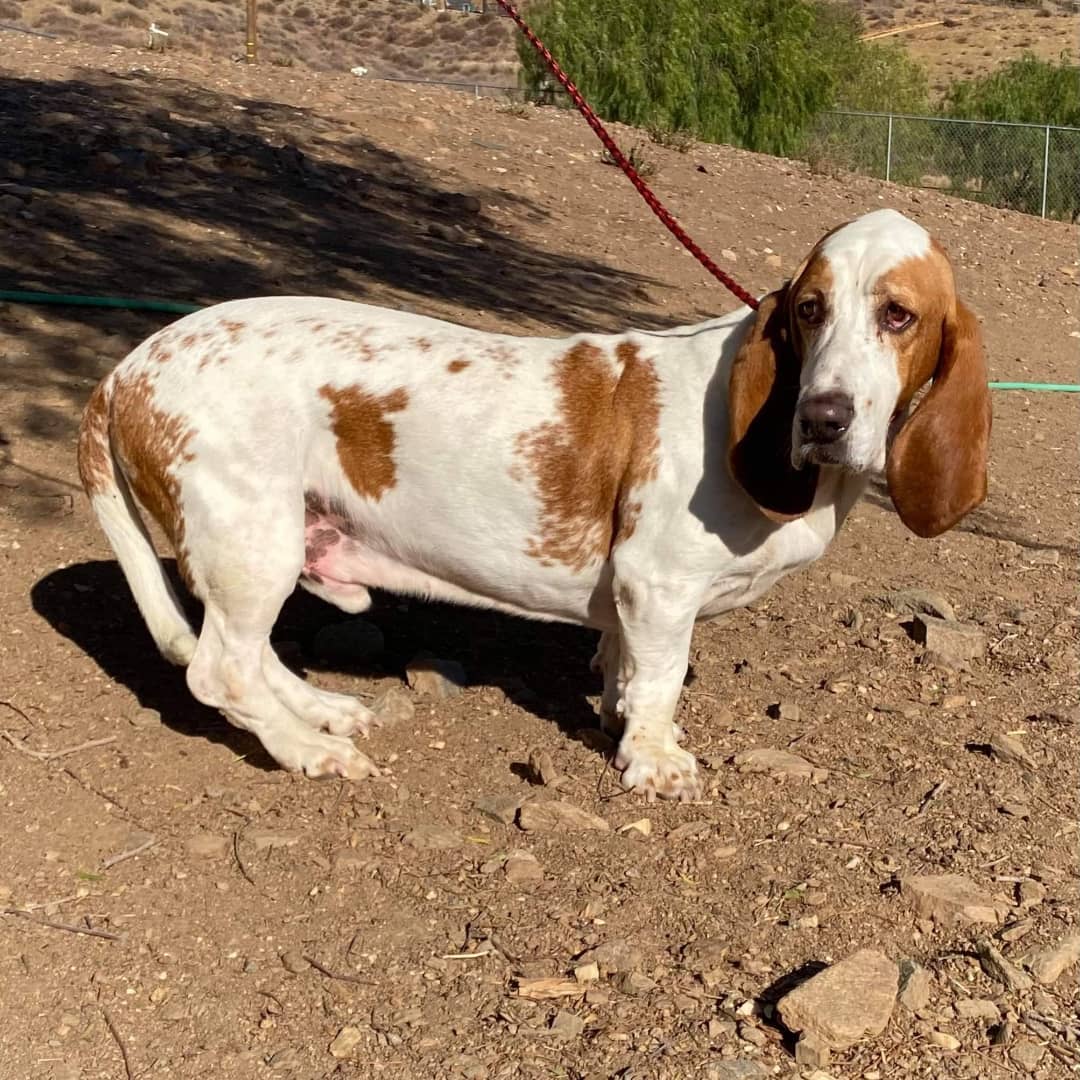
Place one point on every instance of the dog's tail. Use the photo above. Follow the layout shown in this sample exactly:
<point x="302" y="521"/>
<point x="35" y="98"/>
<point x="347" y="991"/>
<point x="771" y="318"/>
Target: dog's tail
<point x="112" y="503"/>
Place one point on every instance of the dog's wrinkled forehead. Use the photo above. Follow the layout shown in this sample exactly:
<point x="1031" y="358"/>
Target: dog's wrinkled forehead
<point x="862" y="252"/>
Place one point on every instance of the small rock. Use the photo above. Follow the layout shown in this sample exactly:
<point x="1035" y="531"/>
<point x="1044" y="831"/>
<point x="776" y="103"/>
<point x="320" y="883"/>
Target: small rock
<point x="944" y="1040"/>
<point x="523" y="866"/>
<point x="920" y="602"/>
<point x="842" y="1003"/>
<point x="1006" y="748"/>
<point x="642" y="827"/>
<point x="1045" y="557"/>
<point x="207" y="845"/>
<point x="812" y="1052"/>
<point x="977" y="1009"/>
<point x="1048" y="965"/>
<point x="271" y="839"/>
<point x="1030" y="894"/>
<point x="735" y="1070"/>
<point x="293" y="962"/>
<point x="553" y="816"/>
<point x="542" y="768"/>
<point x="729" y="255"/>
<point x="1001" y="970"/>
<point x="393" y="706"/>
<point x="1016" y="930"/>
<point x="914" y="986"/>
<point x="778" y="763"/>
<point x="843" y="581"/>
<point x="775" y="261"/>
<point x="431" y="838"/>
<point x="952" y="642"/>
<point x="689" y="830"/>
<point x="784" y="710"/>
<point x="566" y="1026"/>
<point x="633" y="983"/>
<point x="346" y="1041"/>
<point x="1027" y="1055"/>
<point x="586" y="973"/>
<point x="752" y="1034"/>
<point x="502" y="808"/>
<point x="614" y="957"/>
<point x="948" y="898"/>
<point x="353" y="641"/>
<point x="435" y="678"/>
<point x="720" y="1029"/>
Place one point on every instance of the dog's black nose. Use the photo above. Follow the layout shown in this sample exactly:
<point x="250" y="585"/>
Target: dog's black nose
<point x="824" y="418"/>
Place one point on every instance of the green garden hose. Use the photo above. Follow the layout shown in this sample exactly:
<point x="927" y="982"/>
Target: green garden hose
<point x="172" y="307"/>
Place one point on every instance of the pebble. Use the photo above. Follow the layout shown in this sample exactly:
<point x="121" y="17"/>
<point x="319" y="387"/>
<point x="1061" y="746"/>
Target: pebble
<point x="778" y="763"/>
<point x="566" y="1026"/>
<point x="270" y="839"/>
<point x="998" y="968"/>
<point x="1027" y="1055"/>
<point x="614" y="957"/>
<point x="642" y="827"/>
<point x="952" y="643"/>
<point x="634" y="983"/>
<point x="393" y="706"/>
<point x="441" y="679"/>
<point x="784" y="710"/>
<point x="1048" y="965"/>
<point x="558" y="816"/>
<point x="944" y="1040"/>
<point x="207" y="845"/>
<point x="1030" y="894"/>
<point x="812" y="1052"/>
<point x="586" y="973"/>
<point x="978" y="1009"/>
<point x="920" y="601"/>
<point x="845" y="1001"/>
<point x="432" y="838"/>
<point x="523" y="866"/>
<point x="293" y="962"/>
<point x="752" y="1034"/>
<point x="1006" y="748"/>
<point x="502" y="808"/>
<point x="353" y="641"/>
<point x="1016" y="930"/>
<point x="948" y="898"/>
<point x="914" y="986"/>
<point x="542" y="768"/>
<point x="689" y="830"/>
<point x="346" y="1041"/>
<point x="735" y="1070"/>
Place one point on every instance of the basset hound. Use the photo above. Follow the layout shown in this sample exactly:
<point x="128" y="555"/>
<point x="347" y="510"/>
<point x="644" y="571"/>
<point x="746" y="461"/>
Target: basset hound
<point x="632" y="482"/>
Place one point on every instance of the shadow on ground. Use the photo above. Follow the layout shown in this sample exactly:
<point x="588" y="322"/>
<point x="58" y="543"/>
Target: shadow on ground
<point x="136" y="185"/>
<point x="543" y="667"/>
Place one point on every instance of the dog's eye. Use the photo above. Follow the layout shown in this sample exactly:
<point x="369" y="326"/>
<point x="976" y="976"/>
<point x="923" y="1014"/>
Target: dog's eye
<point x="897" y="318"/>
<point x="810" y="311"/>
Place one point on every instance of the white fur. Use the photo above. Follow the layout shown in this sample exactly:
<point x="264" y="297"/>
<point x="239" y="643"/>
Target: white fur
<point x="458" y="520"/>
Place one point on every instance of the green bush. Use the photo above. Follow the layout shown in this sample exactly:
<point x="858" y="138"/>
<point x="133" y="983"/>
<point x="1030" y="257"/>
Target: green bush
<point x="1026" y="91"/>
<point x="754" y="73"/>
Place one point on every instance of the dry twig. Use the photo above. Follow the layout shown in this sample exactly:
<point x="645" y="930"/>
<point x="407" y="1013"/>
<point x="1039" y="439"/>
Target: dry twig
<point x="337" y="974"/>
<point x="112" y="860"/>
<point x="119" y="1042"/>
<point x="51" y="755"/>
<point x="88" y="931"/>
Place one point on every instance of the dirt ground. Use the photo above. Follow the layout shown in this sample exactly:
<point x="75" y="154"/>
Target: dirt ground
<point x="266" y="925"/>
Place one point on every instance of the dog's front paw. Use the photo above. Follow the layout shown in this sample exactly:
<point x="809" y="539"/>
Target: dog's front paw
<point x="658" y="769"/>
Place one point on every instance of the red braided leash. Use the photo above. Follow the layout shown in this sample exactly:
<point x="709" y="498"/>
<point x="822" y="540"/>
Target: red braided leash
<point x="620" y="159"/>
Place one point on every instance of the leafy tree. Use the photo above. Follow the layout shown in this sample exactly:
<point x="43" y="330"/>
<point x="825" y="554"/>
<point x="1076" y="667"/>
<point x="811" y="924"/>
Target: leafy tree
<point x="1026" y="91"/>
<point x="754" y="73"/>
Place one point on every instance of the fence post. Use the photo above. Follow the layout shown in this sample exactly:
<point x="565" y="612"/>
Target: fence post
<point x="1046" y="169"/>
<point x="888" y="151"/>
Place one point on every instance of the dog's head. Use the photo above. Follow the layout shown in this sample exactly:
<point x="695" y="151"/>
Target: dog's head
<point x="827" y="372"/>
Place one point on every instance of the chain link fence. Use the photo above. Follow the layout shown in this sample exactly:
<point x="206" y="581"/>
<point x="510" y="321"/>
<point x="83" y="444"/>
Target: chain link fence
<point x="1034" y="168"/>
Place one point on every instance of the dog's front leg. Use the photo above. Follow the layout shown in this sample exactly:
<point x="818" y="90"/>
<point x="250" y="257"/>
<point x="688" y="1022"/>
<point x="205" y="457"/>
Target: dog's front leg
<point x="655" y="622"/>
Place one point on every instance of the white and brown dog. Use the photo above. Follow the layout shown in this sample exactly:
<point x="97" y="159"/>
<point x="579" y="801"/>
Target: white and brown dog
<point x="634" y="482"/>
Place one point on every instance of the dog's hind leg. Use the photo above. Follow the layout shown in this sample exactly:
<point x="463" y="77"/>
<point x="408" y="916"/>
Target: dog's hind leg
<point x="243" y="584"/>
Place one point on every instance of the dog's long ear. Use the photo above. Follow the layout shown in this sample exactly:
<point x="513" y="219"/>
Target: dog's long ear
<point x="762" y="393"/>
<point x="937" y="462"/>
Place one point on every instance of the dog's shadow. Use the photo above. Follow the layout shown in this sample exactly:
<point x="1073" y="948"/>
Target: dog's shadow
<point x="544" y="667"/>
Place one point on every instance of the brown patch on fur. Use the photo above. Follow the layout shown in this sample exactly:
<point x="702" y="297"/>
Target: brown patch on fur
<point x="159" y="352"/>
<point x="149" y="444"/>
<point x="188" y="341"/>
<point x="456" y="366"/>
<point x="365" y="437"/>
<point x="422" y="343"/>
<point x="94" y="455"/>
<point x="233" y="328"/>
<point x="589" y="464"/>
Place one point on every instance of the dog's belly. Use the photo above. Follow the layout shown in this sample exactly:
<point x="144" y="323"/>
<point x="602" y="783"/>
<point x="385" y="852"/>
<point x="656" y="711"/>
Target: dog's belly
<point x="340" y="567"/>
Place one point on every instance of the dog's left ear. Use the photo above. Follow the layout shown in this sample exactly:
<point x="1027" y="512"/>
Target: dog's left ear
<point x="937" y="463"/>
<point x="762" y="393"/>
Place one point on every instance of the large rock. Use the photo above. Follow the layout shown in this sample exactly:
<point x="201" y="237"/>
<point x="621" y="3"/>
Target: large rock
<point x="837" y="1007"/>
<point x="1050" y="964"/>
<point x="558" y="816"/>
<point x="952" y="643"/>
<point x="436" y="678"/>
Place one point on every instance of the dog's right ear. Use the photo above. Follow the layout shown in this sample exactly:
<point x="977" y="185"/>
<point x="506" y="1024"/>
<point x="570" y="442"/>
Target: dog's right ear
<point x="763" y="391"/>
